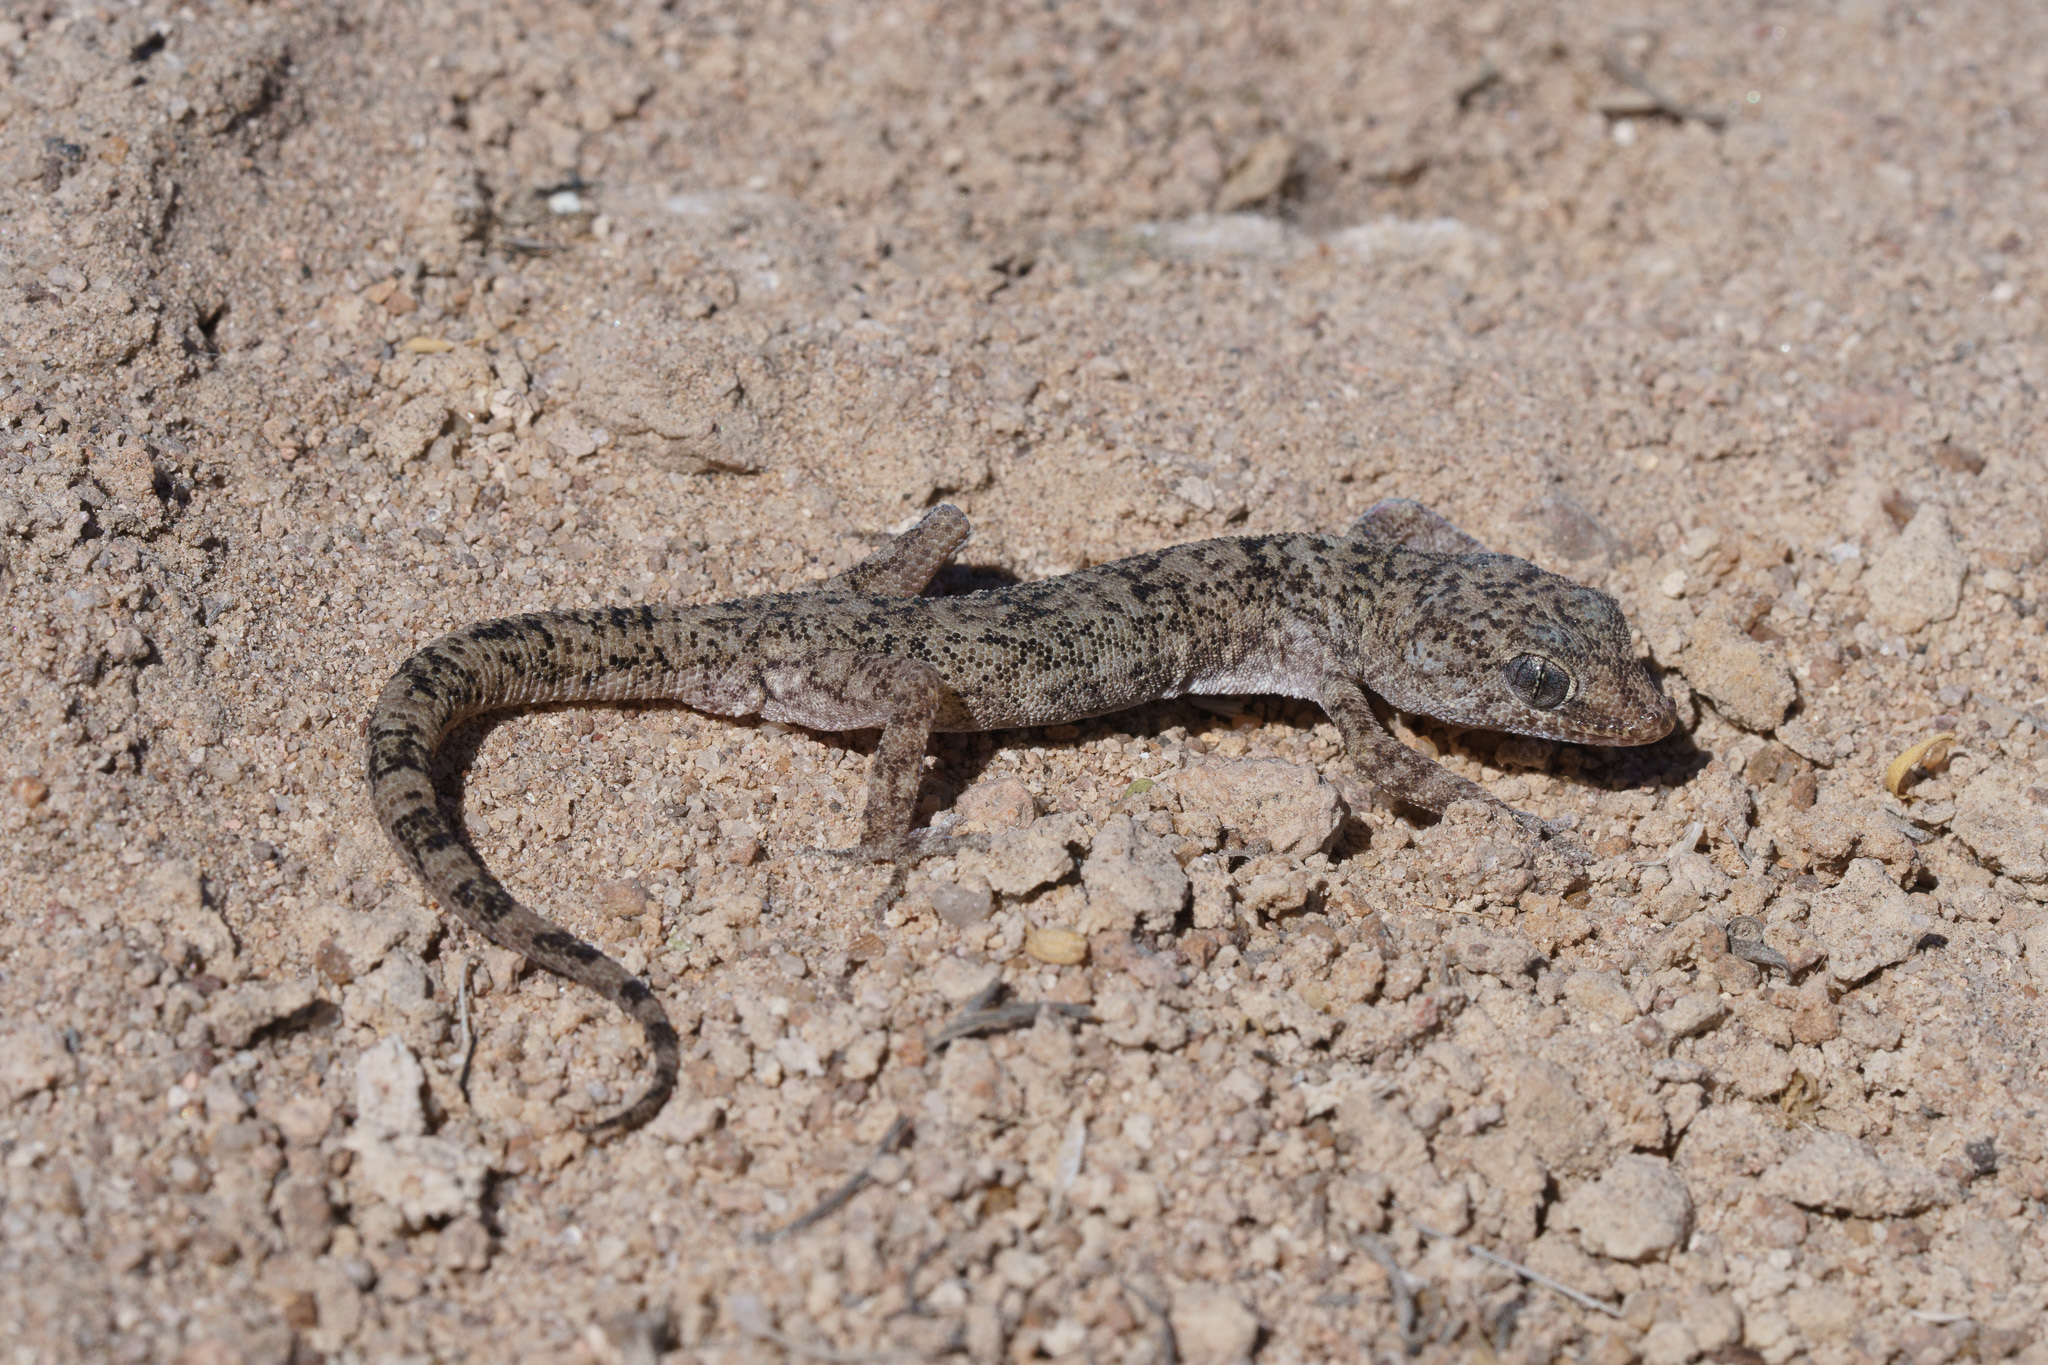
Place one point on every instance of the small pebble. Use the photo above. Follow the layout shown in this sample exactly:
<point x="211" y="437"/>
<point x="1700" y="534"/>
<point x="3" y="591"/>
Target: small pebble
<point x="999" y="803"/>
<point x="960" y="980"/>
<point x="1059" y="947"/>
<point x="1919" y="579"/>
<point x="1636" y="1210"/>
<point x="1212" y="1325"/>
<point x="623" y="899"/>
<point x="1749" y="683"/>
<point x="962" y="903"/>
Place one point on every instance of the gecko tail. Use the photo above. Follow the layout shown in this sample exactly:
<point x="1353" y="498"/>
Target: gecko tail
<point x="415" y="710"/>
<point x="481" y="902"/>
<point x="566" y="955"/>
<point x="637" y="1000"/>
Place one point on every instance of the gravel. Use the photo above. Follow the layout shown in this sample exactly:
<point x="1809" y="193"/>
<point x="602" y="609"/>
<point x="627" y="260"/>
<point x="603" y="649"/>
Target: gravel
<point x="1836" y="1172"/>
<point x="2003" y="817"/>
<point x="1750" y="682"/>
<point x="1865" y="922"/>
<point x="303" y="368"/>
<point x="1212" y="1325"/>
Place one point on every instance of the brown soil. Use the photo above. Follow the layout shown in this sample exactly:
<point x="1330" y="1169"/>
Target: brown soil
<point x="324" y="329"/>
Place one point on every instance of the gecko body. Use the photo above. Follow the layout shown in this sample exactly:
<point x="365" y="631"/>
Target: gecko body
<point x="1404" y="605"/>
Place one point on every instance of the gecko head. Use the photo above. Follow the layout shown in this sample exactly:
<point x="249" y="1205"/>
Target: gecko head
<point x="1496" y="642"/>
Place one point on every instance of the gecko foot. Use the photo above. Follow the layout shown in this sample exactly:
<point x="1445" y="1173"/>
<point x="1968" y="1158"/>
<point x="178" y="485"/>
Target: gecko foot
<point x="1558" y="836"/>
<point x="904" y="853"/>
<point x="1539" y="828"/>
<point x="908" y="851"/>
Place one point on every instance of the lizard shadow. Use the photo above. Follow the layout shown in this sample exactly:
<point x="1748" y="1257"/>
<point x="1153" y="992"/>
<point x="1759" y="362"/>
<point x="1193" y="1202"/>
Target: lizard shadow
<point x="459" y="751"/>
<point x="1669" y="762"/>
<point x="962" y="759"/>
<point x="957" y="580"/>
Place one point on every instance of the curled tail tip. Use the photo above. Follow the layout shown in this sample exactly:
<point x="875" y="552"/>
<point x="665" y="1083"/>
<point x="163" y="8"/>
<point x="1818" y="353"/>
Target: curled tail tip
<point x="641" y="1111"/>
<point x="667" y="1049"/>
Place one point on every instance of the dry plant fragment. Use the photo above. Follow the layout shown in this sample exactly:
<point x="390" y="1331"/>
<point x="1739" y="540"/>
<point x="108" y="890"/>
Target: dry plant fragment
<point x="1927" y="753"/>
<point x="1579" y="1297"/>
<point x="1746" y="941"/>
<point x="1002" y="1018"/>
<point x="853" y="1185"/>
<point x="1659" y="102"/>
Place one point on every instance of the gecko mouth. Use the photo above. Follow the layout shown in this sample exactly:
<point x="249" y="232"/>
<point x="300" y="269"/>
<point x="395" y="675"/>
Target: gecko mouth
<point x="1646" y="722"/>
<point x="1640" y="715"/>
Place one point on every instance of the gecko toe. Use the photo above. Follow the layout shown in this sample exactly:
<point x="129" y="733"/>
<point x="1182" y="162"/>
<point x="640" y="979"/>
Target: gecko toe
<point x="913" y="848"/>
<point x="932" y="844"/>
<point x="859" y="854"/>
<point x="1557" y="835"/>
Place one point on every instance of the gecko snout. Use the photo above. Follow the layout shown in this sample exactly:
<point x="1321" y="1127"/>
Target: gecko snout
<point x="1628" y="707"/>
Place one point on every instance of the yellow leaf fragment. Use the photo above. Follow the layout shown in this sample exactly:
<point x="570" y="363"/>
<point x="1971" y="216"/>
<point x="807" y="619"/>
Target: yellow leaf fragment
<point x="1928" y="751"/>
<point x="1059" y="947"/>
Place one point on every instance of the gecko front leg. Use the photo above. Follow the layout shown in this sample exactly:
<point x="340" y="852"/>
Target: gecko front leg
<point x="905" y="566"/>
<point x="1398" y="770"/>
<point x="850" y="691"/>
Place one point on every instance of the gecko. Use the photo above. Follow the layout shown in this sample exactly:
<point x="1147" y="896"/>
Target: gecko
<point x="1403" y="605"/>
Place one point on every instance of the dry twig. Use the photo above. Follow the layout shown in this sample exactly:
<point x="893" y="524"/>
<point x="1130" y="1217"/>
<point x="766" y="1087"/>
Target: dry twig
<point x="1578" y="1297"/>
<point x="1478" y="84"/>
<point x="1169" y="1345"/>
<point x="1746" y="941"/>
<point x="982" y="1015"/>
<point x="468" y="1026"/>
<point x="1399" y="1282"/>
<point x="911" y="1303"/>
<point x="1002" y="1018"/>
<point x="853" y="1185"/>
<point x="1660" y="103"/>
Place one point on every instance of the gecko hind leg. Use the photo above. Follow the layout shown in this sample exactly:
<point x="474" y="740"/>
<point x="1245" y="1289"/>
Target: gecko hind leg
<point x="886" y="835"/>
<point x="1403" y="521"/>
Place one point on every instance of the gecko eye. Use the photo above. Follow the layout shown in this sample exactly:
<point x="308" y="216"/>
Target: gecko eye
<point x="1538" y="681"/>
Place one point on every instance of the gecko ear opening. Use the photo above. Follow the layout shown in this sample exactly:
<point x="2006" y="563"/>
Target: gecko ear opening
<point x="1542" y="683"/>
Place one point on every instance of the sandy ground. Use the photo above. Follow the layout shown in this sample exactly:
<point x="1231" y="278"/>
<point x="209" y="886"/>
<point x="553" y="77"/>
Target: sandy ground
<point x="326" y="329"/>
